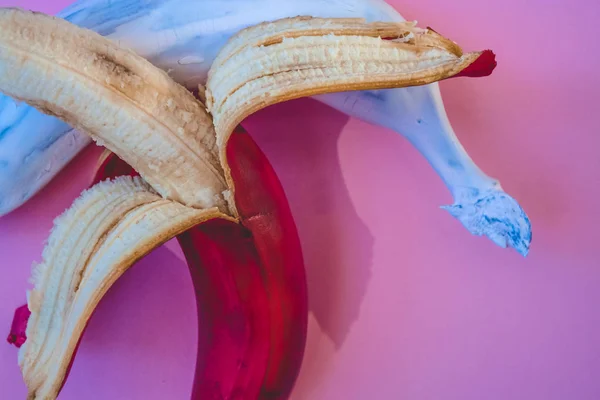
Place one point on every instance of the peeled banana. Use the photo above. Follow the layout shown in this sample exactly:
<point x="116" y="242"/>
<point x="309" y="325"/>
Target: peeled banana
<point x="200" y="178"/>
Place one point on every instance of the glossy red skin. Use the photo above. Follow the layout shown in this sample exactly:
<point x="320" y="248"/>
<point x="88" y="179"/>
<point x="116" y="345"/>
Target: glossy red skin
<point x="483" y="66"/>
<point x="264" y="210"/>
<point x="233" y="318"/>
<point x="252" y="330"/>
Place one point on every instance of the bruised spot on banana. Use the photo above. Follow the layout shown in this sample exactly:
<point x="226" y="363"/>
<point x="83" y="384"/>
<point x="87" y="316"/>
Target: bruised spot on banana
<point x="180" y="150"/>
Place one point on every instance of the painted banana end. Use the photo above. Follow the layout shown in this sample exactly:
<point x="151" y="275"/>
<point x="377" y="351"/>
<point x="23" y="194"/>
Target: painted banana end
<point x="494" y="214"/>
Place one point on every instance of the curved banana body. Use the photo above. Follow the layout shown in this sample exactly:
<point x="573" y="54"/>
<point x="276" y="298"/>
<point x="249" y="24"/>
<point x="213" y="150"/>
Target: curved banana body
<point x="183" y="37"/>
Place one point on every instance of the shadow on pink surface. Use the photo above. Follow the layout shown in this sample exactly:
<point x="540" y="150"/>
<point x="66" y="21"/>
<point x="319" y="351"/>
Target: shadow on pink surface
<point x="337" y="245"/>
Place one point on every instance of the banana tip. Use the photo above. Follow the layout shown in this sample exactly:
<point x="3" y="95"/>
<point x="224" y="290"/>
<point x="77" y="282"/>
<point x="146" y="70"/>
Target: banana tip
<point x="17" y="336"/>
<point x="484" y="65"/>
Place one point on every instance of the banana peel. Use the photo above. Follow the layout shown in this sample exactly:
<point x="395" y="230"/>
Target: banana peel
<point x="177" y="166"/>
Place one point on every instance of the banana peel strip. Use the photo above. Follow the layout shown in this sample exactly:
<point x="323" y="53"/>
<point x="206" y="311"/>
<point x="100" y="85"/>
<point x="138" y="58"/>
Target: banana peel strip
<point x="298" y="57"/>
<point x="159" y="128"/>
<point x="106" y="230"/>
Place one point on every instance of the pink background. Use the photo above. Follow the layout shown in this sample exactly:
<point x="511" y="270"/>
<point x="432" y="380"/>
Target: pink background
<point x="404" y="303"/>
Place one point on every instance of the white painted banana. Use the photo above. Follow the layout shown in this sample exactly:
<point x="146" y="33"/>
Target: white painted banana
<point x="183" y="37"/>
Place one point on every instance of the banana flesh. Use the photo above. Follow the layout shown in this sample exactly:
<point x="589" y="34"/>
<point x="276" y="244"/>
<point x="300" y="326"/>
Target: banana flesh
<point x="121" y="100"/>
<point x="106" y="230"/>
<point x="168" y="136"/>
